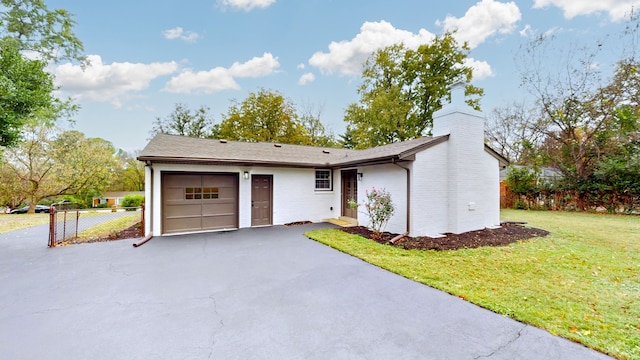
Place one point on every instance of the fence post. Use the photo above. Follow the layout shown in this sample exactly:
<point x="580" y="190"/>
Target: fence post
<point x="77" y="222"/>
<point x="52" y="227"/>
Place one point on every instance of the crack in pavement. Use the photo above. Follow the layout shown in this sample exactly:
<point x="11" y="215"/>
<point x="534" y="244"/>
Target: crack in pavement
<point x="213" y="330"/>
<point x="502" y="347"/>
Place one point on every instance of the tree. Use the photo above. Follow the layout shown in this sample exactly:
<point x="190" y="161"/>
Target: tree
<point x="28" y="25"/>
<point x="48" y="163"/>
<point x="185" y="122"/>
<point x="589" y="120"/>
<point x="513" y="131"/>
<point x="263" y="116"/>
<point x="133" y="175"/>
<point x="310" y="119"/>
<point x="25" y="88"/>
<point x="402" y="88"/>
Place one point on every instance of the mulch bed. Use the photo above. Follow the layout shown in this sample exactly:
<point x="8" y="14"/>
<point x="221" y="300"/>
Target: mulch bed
<point x="129" y="233"/>
<point x="507" y="234"/>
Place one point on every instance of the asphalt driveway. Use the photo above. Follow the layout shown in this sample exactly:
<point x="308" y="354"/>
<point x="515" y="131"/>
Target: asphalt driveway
<point x="265" y="293"/>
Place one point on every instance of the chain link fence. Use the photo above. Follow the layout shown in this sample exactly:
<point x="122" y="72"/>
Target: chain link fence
<point x="69" y="226"/>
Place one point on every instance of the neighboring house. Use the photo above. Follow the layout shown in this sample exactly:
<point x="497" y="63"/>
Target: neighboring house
<point x="545" y="174"/>
<point x="113" y="198"/>
<point x="440" y="184"/>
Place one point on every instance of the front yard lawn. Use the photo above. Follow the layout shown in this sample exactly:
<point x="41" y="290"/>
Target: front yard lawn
<point x="581" y="282"/>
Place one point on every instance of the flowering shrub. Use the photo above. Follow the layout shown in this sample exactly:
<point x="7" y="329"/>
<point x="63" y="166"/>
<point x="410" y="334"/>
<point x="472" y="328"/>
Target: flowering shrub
<point x="379" y="208"/>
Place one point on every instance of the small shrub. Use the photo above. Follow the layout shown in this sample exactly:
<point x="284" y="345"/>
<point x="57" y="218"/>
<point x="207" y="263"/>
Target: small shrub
<point x="380" y="208"/>
<point x="132" y="201"/>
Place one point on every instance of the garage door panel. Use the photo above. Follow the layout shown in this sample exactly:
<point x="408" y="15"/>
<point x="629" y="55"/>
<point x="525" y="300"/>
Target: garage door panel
<point x="183" y="210"/>
<point x="219" y="208"/>
<point x="193" y="202"/>
<point x="217" y="222"/>
<point x="184" y="224"/>
<point x="173" y="194"/>
<point x="182" y="180"/>
<point x="218" y="180"/>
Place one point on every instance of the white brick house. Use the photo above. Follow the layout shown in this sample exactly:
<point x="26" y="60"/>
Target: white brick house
<point x="445" y="183"/>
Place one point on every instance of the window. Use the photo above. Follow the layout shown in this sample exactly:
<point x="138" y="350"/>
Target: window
<point x="323" y="180"/>
<point x="193" y="193"/>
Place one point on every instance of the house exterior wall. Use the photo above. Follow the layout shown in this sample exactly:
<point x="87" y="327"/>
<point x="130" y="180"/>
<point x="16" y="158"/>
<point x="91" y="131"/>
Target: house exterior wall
<point x="429" y="192"/>
<point x="294" y="194"/>
<point x="473" y="185"/>
<point x="393" y="179"/>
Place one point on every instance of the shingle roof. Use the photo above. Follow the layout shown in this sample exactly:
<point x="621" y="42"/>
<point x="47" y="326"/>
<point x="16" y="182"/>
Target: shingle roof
<point x="181" y="149"/>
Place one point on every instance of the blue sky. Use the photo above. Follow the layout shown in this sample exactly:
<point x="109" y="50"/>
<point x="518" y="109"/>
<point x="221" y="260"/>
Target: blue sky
<point x="146" y="56"/>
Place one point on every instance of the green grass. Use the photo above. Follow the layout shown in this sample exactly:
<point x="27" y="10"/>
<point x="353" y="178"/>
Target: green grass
<point x="110" y="227"/>
<point x="581" y="282"/>
<point x="10" y="222"/>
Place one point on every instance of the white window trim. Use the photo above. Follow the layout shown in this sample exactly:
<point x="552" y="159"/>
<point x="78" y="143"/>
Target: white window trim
<point x="315" y="179"/>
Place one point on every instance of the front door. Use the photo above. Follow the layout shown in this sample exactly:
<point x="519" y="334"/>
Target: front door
<point x="261" y="195"/>
<point x="349" y="191"/>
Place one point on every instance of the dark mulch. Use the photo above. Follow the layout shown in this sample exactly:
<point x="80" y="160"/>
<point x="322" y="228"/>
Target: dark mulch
<point x="507" y="234"/>
<point x="297" y="223"/>
<point x="129" y="233"/>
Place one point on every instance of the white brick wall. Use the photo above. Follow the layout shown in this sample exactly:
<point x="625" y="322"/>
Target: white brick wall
<point x="294" y="195"/>
<point x="429" y="190"/>
<point x="393" y="179"/>
<point x="473" y="186"/>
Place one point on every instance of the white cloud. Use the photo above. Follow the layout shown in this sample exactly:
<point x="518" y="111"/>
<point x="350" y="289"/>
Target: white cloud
<point x="220" y="78"/>
<point x="179" y="33"/>
<point x="246" y="5"/>
<point x="616" y="9"/>
<point x="109" y="82"/>
<point x="208" y="82"/>
<point x="481" y="69"/>
<point x="256" y="67"/>
<point x="306" y="78"/>
<point x="300" y="67"/>
<point x="483" y="20"/>
<point x="347" y="57"/>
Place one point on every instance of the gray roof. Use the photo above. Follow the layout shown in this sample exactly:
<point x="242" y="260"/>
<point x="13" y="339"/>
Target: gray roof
<point x="181" y="149"/>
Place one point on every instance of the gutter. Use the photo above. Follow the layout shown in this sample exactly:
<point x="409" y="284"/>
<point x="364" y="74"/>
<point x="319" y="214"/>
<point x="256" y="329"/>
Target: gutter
<point x="408" y="194"/>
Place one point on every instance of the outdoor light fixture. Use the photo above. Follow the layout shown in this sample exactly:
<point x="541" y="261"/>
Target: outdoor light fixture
<point x="359" y="176"/>
<point x="245" y="175"/>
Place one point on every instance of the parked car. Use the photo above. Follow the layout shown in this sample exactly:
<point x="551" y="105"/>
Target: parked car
<point x="23" y="210"/>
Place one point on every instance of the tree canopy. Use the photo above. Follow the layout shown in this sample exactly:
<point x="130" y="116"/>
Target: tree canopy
<point x="29" y="25"/>
<point x="26" y="90"/>
<point x="264" y="116"/>
<point x="185" y="122"/>
<point x="584" y="122"/>
<point x="402" y="88"/>
<point x="48" y="163"/>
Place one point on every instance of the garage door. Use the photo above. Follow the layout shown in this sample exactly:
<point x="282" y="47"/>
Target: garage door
<point x="195" y="202"/>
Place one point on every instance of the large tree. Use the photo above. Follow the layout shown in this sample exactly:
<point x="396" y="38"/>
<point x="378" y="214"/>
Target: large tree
<point x="402" y="88"/>
<point x="264" y="116"/>
<point x="48" y="163"/>
<point x="513" y="130"/>
<point x="185" y="122"/>
<point x="29" y="25"/>
<point x="26" y="90"/>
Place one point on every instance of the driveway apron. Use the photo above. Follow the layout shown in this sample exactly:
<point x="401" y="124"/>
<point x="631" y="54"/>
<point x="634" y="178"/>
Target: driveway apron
<point x="260" y="293"/>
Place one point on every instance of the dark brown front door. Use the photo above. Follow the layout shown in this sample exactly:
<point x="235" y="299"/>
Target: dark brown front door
<point x="349" y="191"/>
<point x="261" y="195"/>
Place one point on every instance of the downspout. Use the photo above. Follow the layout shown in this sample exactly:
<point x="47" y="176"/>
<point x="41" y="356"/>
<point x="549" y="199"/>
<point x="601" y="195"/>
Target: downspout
<point x="408" y="193"/>
<point x="150" y="209"/>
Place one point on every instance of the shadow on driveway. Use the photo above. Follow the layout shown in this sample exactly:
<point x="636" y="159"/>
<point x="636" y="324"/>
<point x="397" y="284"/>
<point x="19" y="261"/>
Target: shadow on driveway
<point x="263" y="293"/>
